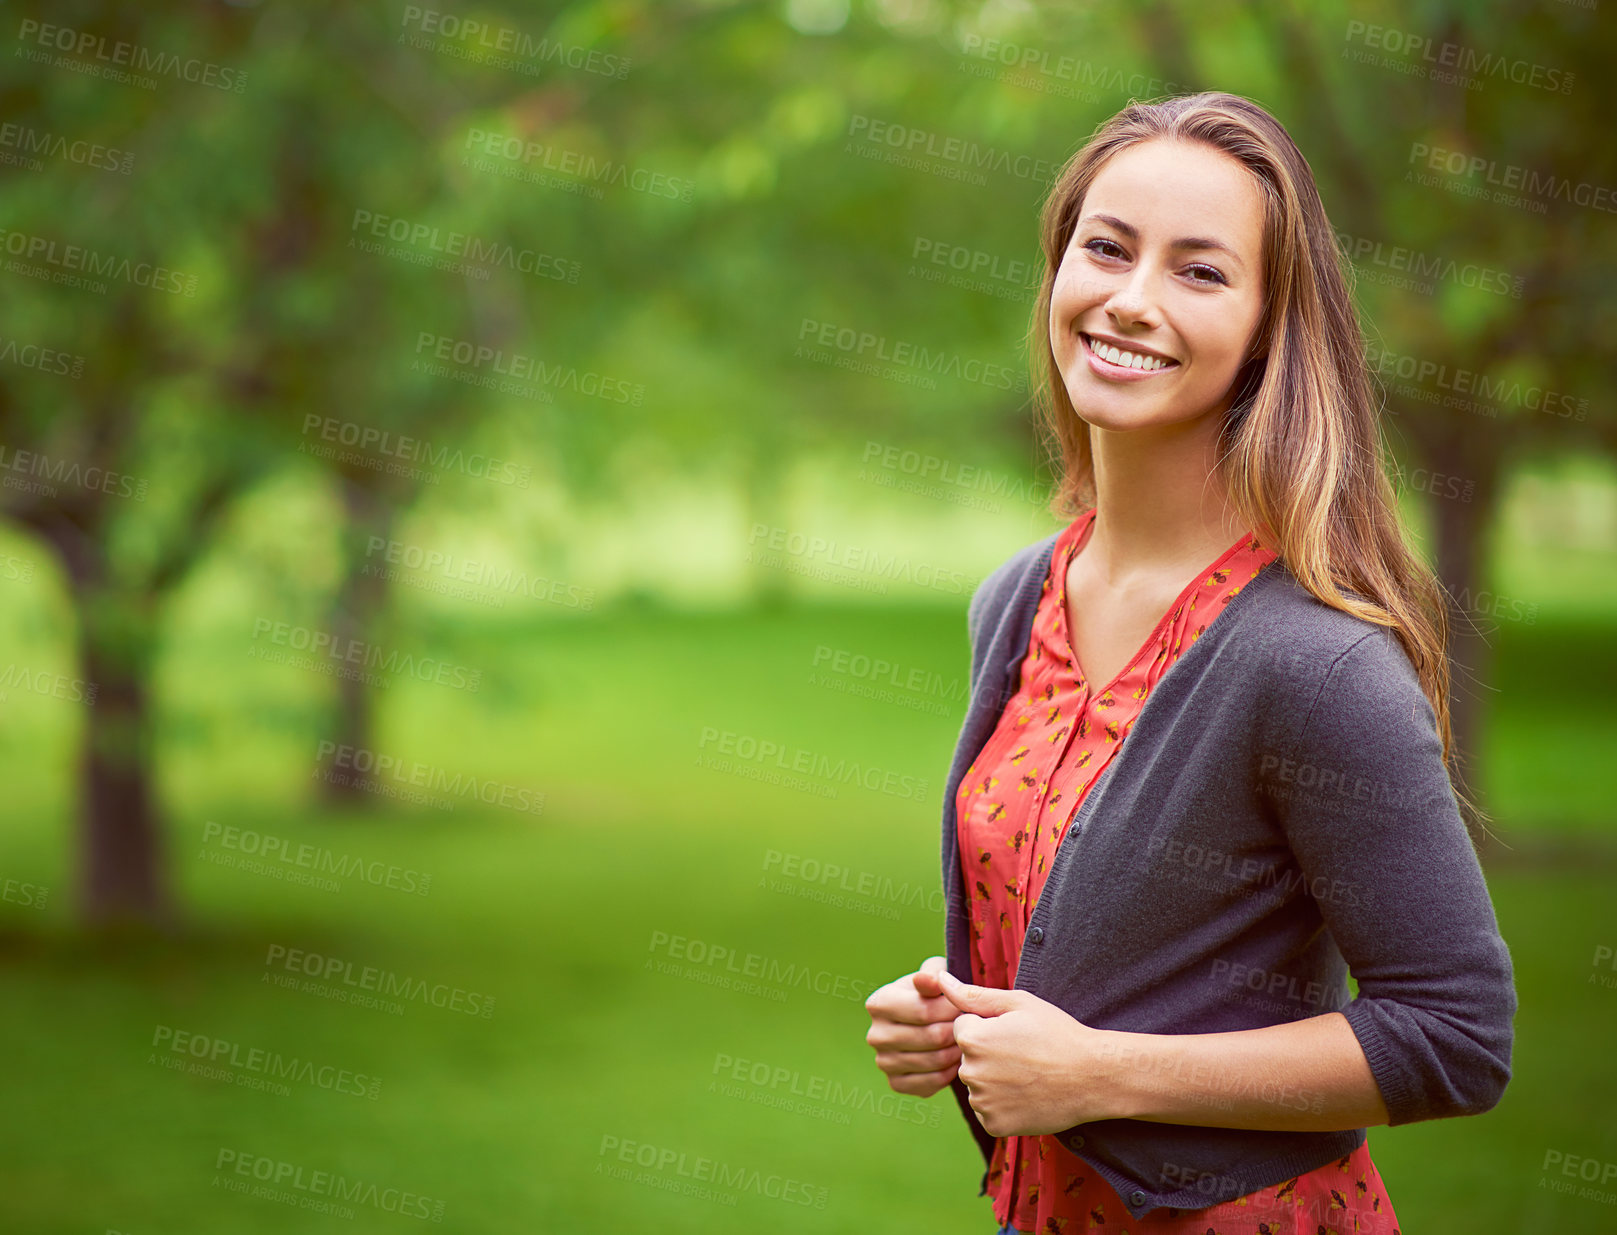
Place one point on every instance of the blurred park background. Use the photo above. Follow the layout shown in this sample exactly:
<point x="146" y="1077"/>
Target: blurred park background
<point x="489" y="500"/>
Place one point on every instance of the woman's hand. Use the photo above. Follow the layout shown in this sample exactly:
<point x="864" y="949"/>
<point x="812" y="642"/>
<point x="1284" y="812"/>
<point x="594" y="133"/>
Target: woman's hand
<point x="1029" y="1067"/>
<point x="912" y="1029"/>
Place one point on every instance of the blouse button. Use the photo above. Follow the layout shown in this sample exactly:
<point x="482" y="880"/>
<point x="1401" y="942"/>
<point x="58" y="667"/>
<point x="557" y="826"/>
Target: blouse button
<point x="1036" y="935"/>
<point x="1077" y="1142"/>
<point x="1136" y="1197"/>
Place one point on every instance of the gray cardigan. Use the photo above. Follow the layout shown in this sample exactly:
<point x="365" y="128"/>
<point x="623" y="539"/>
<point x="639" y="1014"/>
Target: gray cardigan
<point x="1278" y="815"/>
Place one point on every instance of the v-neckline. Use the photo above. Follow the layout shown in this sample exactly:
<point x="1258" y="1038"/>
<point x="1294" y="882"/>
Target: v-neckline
<point x="1064" y="632"/>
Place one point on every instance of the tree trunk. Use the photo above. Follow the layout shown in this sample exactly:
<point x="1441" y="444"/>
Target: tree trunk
<point x="358" y="603"/>
<point x="123" y="867"/>
<point x="1461" y="553"/>
<point x="767" y="519"/>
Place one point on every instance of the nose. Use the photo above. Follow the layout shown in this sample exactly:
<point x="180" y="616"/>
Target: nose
<point x="1132" y="303"/>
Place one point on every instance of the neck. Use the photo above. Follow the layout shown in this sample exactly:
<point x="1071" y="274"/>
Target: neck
<point x="1159" y="503"/>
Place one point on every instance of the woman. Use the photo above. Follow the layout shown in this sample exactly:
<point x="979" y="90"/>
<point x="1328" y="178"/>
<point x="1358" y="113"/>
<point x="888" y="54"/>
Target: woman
<point x="1143" y="1010"/>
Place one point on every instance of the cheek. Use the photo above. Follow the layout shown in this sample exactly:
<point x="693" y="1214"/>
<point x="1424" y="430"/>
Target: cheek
<point x="1067" y="305"/>
<point x="1071" y="288"/>
<point x="1218" y="335"/>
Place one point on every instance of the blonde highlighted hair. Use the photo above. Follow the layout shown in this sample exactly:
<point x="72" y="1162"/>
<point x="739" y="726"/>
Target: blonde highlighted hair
<point x="1300" y="450"/>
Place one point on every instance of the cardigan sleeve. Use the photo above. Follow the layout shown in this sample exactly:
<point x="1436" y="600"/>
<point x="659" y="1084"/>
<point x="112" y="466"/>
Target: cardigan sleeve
<point x="986" y="609"/>
<point x="1371" y="818"/>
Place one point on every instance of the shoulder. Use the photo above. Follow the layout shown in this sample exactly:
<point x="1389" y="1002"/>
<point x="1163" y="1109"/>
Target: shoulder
<point x="1001" y="585"/>
<point x="1292" y="619"/>
<point x="1300" y="649"/>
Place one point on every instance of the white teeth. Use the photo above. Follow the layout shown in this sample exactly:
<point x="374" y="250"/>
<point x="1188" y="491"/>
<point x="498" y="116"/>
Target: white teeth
<point x="1129" y="360"/>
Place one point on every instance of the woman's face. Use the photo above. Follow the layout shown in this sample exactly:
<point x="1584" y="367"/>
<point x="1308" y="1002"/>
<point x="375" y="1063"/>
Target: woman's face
<point x="1165" y="263"/>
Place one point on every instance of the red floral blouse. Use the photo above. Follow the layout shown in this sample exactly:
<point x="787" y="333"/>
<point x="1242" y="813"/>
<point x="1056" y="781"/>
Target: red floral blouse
<point x="1054" y="740"/>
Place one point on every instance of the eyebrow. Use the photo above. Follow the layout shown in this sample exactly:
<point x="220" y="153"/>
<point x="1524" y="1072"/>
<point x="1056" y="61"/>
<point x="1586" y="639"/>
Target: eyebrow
<point x="1184" y="242"/>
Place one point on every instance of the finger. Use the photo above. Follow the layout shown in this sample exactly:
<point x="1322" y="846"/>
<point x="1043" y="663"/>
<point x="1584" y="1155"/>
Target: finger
<point x="932" y="1008"/>
<point x="897" y="1036"/>
<point x="983" y="1000"/>
<point x="908" y="1007"/>
<point x="926" y="978"/>
<point x="897" y="1063"/>
<point x="897" y="1001"/>
<point x="922" y="1084"/>
<point x="966" y="1027"/>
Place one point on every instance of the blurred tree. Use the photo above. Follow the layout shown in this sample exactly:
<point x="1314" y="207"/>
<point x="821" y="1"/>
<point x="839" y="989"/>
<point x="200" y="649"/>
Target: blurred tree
<point x="709" y="198"/>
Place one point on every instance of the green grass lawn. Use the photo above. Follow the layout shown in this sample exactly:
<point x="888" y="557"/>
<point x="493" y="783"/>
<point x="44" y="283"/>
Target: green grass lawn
<point x="597" y="1035"/>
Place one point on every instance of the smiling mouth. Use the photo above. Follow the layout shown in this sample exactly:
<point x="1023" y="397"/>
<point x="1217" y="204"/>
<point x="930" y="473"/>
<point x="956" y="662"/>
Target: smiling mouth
<point x="1124" y="359"/>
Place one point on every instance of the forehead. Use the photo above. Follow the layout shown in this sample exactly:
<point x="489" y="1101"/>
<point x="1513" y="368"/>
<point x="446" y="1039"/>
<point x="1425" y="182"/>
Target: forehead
<point x="1169" y="188"/>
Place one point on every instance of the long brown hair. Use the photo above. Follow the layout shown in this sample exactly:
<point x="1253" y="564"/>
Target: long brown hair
<point x="1300" y="450"/>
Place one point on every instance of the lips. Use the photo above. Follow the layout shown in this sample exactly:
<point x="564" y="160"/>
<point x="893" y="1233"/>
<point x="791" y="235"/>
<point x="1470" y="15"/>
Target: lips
<point x="1124" y="358"/>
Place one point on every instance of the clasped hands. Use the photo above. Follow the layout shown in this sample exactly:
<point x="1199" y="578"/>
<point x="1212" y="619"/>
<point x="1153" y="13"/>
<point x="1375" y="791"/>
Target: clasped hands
<point x="1028" y="1067"/>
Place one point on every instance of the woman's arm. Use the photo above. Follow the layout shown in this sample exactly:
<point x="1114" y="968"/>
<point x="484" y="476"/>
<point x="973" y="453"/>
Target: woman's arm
<point x="1373" y="824"/>
<point x="1304" y="1076"/>
<point x="1030" y="1068"/>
